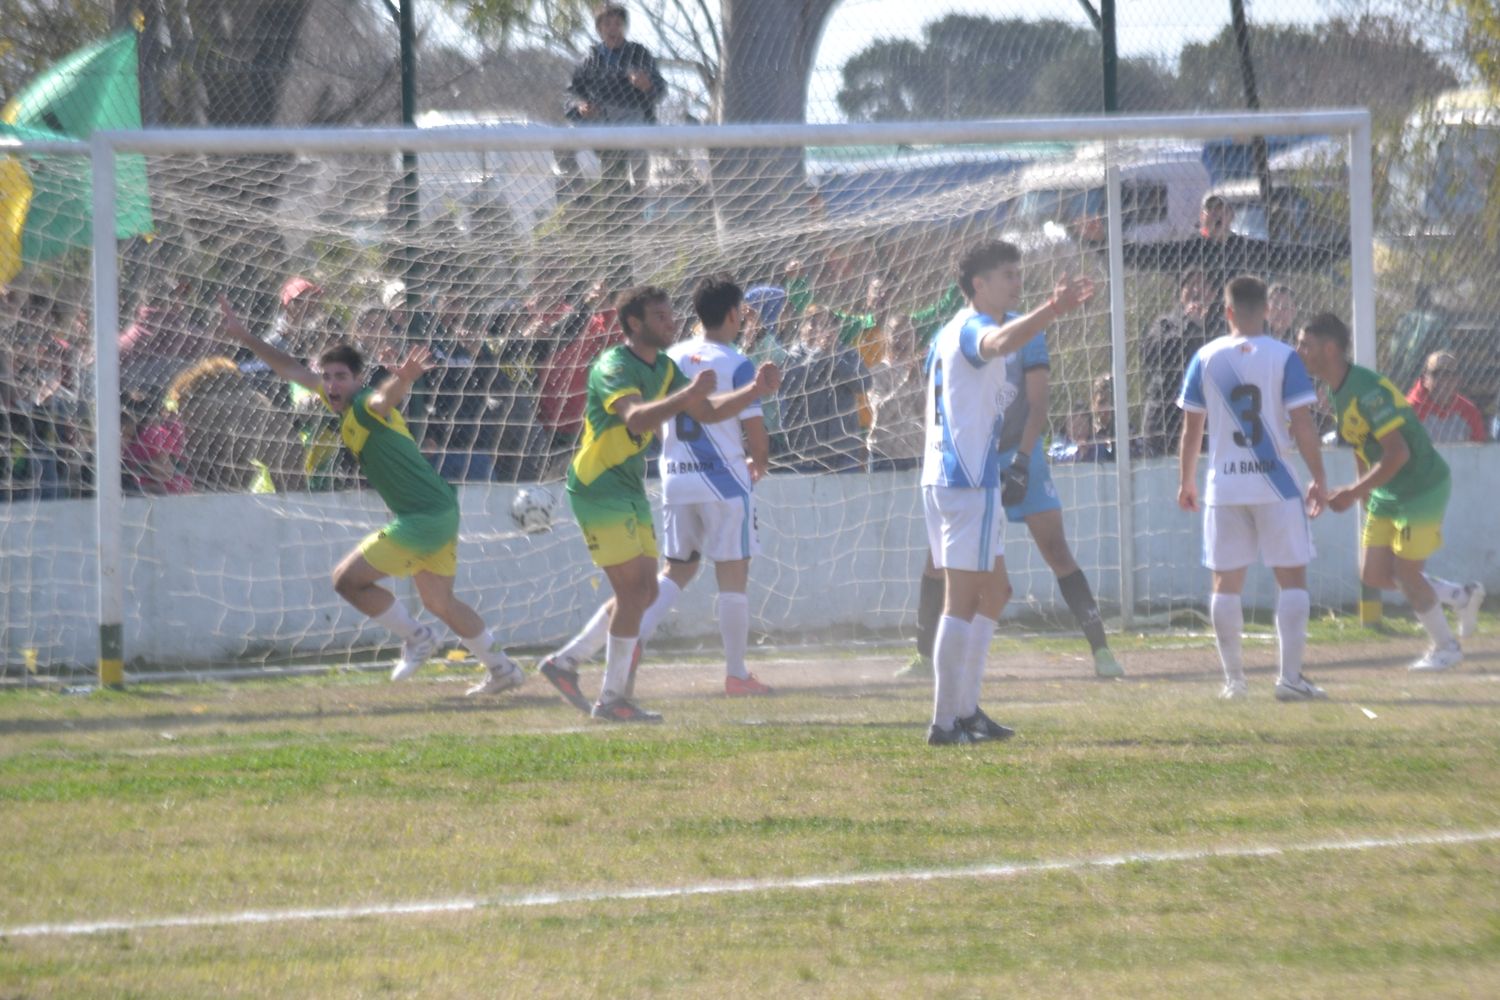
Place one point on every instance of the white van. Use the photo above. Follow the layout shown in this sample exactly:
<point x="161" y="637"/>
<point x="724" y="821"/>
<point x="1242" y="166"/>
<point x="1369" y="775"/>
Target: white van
<point x="1161" y="191"/>
<point x="477" y="188"/>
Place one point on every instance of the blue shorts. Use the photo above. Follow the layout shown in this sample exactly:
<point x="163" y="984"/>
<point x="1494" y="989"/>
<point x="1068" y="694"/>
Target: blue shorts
<point x="1041" y="494"/>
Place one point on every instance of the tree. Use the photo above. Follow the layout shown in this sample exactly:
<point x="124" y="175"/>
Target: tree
<point x="1374" y="61"/>
<point x="40" y="32"/>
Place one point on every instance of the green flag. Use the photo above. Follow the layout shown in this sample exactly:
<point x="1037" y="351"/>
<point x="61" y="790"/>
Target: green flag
<point x="45" y="201"/>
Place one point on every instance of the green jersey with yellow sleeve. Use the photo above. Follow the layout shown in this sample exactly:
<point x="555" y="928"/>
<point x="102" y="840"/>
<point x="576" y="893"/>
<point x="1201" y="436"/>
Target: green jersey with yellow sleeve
<point x="609" y="462"/>
<point x="1368" y="406"/>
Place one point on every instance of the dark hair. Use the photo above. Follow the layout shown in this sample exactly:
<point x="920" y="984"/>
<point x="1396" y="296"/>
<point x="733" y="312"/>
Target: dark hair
<point x="1279" y="289"/>
<point x="1327" y="326"/>
<point x="982" y="257"/>
<point x="715" y="297"/>
<point x="632" y="304"/>
<point x="611" y="10"/>
<point x="342" y="353"/>
<point x="1246" y="293"/>
<point x="1214" y="201"/>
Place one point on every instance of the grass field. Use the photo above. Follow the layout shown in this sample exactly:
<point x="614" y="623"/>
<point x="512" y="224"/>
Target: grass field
<point x="345" y="792"/>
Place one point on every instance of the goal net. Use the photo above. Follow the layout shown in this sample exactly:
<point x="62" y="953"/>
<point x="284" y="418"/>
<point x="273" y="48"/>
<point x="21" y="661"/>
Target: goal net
<point x="237" y="499"/>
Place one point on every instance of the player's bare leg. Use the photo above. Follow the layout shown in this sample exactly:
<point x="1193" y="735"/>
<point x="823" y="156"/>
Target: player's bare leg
<point x="1047" y="532"/>
<point x="358" y="582"/>
<point x="501" y="672"/>
<point x="972" y="605"/>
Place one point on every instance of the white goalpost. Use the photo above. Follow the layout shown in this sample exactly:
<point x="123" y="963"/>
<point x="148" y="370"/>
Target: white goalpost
<point x="853" y="225"/>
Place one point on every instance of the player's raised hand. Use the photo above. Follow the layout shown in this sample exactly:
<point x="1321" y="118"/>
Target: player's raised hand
<point x="767" y="379"/>
<point x="1071" y="292"/>
<point x="418" y="362"/>
<point x="1187" y="497"/>
<point x="703" y="384"/>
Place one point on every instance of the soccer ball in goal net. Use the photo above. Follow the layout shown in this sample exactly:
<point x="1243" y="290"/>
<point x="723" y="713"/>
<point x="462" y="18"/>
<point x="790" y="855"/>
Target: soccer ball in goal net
<point x="504" y="260"/>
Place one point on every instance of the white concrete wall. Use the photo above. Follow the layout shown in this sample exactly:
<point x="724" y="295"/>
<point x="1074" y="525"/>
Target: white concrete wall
<point x="215" y="578"/>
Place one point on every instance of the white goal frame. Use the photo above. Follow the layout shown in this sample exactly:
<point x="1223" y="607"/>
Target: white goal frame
<point x="104" y="147"/>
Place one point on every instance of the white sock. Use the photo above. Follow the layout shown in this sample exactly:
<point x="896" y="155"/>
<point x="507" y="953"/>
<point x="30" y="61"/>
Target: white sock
<point x="483" y="648"/>
<point x="1436" y="624"/>
<point x="1229" y="624"/>
<point x="586" y="644"/>
<point x="976" y="654"/>
<point x="1449" y="593"/>
<point x="619" y="651"/>
<point x="948" y="670"/>
<point x="734" y="628"/>
<point x="667" y="593"/>
<point x="1291" y="632"/>
<point x="398" y="620"/>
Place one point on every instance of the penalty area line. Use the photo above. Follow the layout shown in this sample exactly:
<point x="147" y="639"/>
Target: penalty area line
<point x="797" y="883"/>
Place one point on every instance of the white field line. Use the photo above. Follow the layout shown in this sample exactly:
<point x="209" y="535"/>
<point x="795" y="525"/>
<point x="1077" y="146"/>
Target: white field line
<point x="541" y="899"/>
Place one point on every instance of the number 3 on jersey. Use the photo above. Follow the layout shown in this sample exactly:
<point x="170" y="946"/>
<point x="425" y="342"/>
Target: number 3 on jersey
<point x="1246" y="402"/>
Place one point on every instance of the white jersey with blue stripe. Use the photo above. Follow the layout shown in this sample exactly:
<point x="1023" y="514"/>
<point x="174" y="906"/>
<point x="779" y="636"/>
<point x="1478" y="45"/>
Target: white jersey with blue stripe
<point x="1248" y="386"/>
<point x="967" y="398"/>
<point x="703" y="462"/>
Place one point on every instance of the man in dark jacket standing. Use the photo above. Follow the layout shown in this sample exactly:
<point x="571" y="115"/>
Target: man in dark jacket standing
<point x="617" y="84"/>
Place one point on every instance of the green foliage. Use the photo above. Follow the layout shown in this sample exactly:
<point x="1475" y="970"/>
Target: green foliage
<point x="37" y="33"/>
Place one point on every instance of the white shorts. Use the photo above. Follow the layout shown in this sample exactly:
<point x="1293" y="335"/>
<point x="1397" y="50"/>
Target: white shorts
<point x="719" y="530"/>
<point x="1235" y="534"/>
<point x="964" y="527"/>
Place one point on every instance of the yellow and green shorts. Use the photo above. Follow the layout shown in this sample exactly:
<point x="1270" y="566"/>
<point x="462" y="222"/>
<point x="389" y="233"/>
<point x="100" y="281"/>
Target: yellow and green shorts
<point x="617" y="530"/>
<point x="1412" y="528"/>
<point x="415" y="543"/>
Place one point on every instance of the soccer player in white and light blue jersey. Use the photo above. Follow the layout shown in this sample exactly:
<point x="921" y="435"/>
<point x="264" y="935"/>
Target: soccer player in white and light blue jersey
<point x="969" y="387"/>
<point x="1254" y="393"/>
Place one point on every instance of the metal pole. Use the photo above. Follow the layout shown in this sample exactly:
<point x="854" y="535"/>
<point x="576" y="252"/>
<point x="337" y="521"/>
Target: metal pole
<point x="1362" y="315"/>
<point x="409" y="203"/>
<point x="1125" y="484"/>
<point x="1258" y="149"/>
<point x="1111" y="56"/>
<point x="107" y="415"/>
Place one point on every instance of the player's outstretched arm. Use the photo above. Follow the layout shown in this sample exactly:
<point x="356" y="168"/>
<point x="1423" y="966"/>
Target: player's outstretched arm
<point x="1393" y="456"/>
<point x="393" y="390"/>
<point x="280" y="362"/>
<point x="1305" y="434"/>
<point x="716" y="408"/>
<point x="1187" y="458"/>
<point x="641" y="417"/>
<point x="1007" y="338"/>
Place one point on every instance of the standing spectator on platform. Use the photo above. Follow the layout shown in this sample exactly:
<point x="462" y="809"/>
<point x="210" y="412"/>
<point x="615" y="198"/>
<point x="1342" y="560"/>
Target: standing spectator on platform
<point x="822" y="389"/>
<point x="1166" y="347"/>
<point x="616" y="84"/>
<point x="161" y="339"/>
<point x="150" y="450"/>
<point x="898" y="391"/>
<point x="1091" y="434"/>
<point x="1446" y="413"/>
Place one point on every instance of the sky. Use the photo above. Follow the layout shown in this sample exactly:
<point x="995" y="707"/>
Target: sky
<point x="1146" y="28"/>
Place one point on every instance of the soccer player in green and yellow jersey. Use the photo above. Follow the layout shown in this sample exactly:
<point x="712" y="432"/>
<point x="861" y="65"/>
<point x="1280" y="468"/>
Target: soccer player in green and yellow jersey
<point x="421" y="541"/>
<point x="632" y="389"/>
<point x="1403" y="481"/>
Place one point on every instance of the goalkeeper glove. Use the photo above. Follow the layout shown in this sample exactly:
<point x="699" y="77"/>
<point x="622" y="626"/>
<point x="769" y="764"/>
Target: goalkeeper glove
<point x="1015" y="480"/>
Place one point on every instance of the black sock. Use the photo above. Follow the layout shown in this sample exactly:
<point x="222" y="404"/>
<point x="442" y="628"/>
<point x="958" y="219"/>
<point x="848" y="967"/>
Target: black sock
<point x="1080" y="600"/>
<point x="929" y="610"/>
